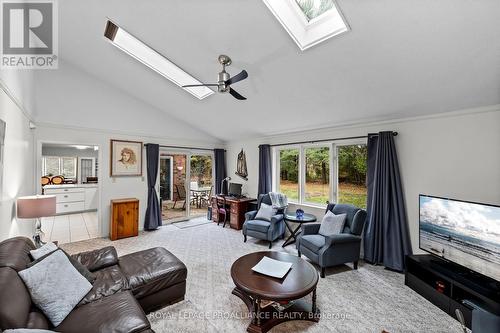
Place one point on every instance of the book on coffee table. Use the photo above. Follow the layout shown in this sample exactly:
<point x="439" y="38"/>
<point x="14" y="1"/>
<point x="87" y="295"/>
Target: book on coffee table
<point x="272" y="267"/>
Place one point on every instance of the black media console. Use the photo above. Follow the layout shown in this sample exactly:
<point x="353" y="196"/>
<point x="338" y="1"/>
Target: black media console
<point x="446" y="285"/>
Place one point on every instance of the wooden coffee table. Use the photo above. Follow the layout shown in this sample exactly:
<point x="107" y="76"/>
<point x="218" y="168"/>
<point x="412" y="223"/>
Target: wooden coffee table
<point x="253" y="287"/>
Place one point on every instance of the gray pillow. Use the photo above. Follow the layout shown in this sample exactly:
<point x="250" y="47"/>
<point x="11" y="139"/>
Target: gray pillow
<point x="79" y="267"/>
<point x="332" y="224"/>
<point x="265" y="212"/>
<point x="55" y="286"/>
<point x="44" y="250"/>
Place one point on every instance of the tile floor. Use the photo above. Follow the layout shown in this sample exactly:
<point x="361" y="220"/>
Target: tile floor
<point x="71" y="227"/>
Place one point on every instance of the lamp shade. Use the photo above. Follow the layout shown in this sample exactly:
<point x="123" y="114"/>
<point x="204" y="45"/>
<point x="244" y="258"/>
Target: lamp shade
<point x="36" y="206"/>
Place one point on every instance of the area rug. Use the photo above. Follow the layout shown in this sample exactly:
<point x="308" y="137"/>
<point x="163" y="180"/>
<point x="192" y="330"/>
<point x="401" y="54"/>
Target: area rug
<point x="370" y="299"/>
<point x="191" y="223"/>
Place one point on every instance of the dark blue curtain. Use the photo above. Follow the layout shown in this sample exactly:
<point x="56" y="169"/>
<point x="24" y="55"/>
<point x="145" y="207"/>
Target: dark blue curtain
<point x="220" y="170"/>
<point x="386" y="238"/>
<point x="265" y="169"/>
<point x="152" y="220"/>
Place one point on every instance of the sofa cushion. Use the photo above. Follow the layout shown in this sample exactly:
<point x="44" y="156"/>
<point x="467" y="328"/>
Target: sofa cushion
<point x="108" y="281"/>
<point x="15" y="301"/>
<point x="55" y="286"/>
<point x="15" y="253"/>
<point x="313" y="242"/>
<point x="258" y="225"/>
<point x="37" y="320"/>
<point x="117" y="313"/>
<point x="98" y="259"/>
<point x="43" y="251"/>
<point x="152" y="270"/>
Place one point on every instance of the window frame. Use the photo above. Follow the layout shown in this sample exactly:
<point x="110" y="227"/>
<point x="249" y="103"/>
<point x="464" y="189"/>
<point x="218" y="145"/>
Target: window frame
<point x="60" y="163"/>
<point x="333" y="146"/>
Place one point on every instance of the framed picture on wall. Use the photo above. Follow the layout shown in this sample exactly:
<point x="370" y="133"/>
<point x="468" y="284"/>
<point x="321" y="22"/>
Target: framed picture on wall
<point x="126" y="158"/>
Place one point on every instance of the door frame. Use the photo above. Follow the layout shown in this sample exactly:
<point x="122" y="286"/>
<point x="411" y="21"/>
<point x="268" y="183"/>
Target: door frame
<point x="187" y="181"/>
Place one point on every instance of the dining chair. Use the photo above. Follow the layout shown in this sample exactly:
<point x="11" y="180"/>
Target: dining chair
<point x="180" y="192"/>
<point x="222" y="209"/>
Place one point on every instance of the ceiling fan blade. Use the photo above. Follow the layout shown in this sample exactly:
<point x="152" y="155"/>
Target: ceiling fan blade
<point x="201" y="85"/>
<point x="236" y="95"/>
<point x="238" y="77"/>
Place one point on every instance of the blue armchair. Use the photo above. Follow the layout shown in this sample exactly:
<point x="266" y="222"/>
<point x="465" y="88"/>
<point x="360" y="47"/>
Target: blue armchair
<point x="265" y="230"/>
<point x="336" y="249"/>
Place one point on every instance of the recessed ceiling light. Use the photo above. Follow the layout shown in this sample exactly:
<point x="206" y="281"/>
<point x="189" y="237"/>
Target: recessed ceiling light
<point x="149" y="57"/>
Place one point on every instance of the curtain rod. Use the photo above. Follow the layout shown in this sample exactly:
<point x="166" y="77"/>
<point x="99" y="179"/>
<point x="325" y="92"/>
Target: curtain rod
<point x="181" y="147"/>
<point x="325" y="140"/>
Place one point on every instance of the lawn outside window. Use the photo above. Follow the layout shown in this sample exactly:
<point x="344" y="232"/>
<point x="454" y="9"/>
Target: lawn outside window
<point x="312" y="174"/>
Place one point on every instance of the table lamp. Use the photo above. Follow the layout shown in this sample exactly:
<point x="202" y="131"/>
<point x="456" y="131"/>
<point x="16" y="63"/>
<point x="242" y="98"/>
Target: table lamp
<point x="35" y="207"/>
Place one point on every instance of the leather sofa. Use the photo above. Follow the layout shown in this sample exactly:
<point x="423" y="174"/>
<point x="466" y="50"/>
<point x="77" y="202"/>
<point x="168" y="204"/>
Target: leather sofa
<point x="125" y="290"/>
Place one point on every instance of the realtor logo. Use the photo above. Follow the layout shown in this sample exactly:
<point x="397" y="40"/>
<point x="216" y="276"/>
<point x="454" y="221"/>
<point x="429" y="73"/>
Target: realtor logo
<point x="29" y="34"/>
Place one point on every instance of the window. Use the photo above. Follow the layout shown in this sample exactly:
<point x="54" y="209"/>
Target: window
<point x="314" y="8"/>
<point x="289" y="173"/>
<point x="55" y="166"/>
<point x="317" y="185"/>
<point x="309" y="22"/>
<point x="352" y="175"/>
<point x="316" y="174"/>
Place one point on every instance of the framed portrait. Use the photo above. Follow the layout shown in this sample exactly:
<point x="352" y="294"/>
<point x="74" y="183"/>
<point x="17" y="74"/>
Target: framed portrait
<point x="126" y="158"/>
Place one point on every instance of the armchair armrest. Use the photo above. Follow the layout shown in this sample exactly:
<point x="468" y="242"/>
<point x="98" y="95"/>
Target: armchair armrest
<point x="98" y="259"/>
<point x="342" y="239"/>
<point x="310" y="228"/>
<point x="250" y="215"/>
<point x="276" y="218"/>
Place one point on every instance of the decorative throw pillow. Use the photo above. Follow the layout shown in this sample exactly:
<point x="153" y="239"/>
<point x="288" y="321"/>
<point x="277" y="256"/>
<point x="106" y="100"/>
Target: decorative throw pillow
<point x="55" y="286"/>
<point x="44" y="250"/>
<point x="79" y="267"/>
<point x="265" y="212"/>
<point x="332" y="224"/>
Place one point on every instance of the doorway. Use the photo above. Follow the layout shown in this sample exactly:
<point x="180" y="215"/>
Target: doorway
<point x="185" y="184"/>
<point x="70" y="172"/>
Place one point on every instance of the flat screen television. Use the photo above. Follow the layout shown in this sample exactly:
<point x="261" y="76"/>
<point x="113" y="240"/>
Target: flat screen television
<point x="465" y="233"/>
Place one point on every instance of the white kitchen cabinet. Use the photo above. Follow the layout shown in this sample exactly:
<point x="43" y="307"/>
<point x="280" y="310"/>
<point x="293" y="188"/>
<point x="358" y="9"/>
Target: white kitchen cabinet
<point x="73" y="198"/>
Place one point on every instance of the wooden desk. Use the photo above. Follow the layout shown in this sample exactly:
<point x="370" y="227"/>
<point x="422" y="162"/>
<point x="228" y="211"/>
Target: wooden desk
<point x="238" y="208"/>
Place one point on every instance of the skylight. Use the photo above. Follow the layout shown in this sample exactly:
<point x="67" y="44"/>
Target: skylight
<point x="149" y="57"/>
<point x="314" y="8"/>
<point x="309" y="22"/>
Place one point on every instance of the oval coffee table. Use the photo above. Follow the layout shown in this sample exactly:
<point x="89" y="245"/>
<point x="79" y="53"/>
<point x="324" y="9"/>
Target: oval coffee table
<point x="252" y="287"/>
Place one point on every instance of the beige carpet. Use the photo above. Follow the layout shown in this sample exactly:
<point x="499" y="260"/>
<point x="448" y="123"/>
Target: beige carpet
<point x="367" y="300"/>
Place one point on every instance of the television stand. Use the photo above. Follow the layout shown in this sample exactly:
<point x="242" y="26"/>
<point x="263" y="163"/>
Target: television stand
<point x="447" y="285"/>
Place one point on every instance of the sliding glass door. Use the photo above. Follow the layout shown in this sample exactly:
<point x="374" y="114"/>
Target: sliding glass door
<point x="201" y="184"/>
<point x="185" y="184"/>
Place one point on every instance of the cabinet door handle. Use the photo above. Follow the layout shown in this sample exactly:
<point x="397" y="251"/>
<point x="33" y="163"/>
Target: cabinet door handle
<point x="65" y="205"/>
<point x="66" y="196"/>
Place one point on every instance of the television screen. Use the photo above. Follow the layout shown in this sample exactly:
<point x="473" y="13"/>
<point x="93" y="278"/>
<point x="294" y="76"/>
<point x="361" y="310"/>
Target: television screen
<point x="463" y="232"/>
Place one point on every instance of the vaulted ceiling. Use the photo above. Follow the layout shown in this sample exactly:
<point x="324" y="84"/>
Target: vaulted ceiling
<point x="401" y="58"/>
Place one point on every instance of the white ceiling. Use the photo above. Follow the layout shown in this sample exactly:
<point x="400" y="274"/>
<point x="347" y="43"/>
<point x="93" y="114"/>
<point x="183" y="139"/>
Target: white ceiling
<point x="402" y="58"/>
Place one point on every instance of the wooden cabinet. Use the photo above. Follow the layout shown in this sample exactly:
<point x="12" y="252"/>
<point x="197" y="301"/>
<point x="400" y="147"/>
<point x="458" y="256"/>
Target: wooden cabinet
<point x="124" y="218"/>
<point x="237" y="209"/>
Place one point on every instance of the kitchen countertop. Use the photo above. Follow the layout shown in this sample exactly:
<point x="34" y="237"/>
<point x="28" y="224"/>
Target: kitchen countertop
<point x="70" y="186"/>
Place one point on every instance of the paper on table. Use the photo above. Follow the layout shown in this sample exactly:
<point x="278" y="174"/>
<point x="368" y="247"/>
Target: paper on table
<point x="272" y="267"/>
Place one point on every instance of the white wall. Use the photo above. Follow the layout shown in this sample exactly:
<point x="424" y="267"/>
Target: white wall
<point x="71" y="97"/>
<point x="453" y="155"/>
<point x="18" y="167"/>
<point x="74" y="107"/>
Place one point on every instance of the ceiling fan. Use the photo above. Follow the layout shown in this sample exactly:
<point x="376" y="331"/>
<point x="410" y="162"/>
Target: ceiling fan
<point x="225" y="81"/>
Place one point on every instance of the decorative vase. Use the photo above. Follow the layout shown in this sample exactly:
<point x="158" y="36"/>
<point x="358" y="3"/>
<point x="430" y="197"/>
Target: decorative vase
<point x="299" y="213"/>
